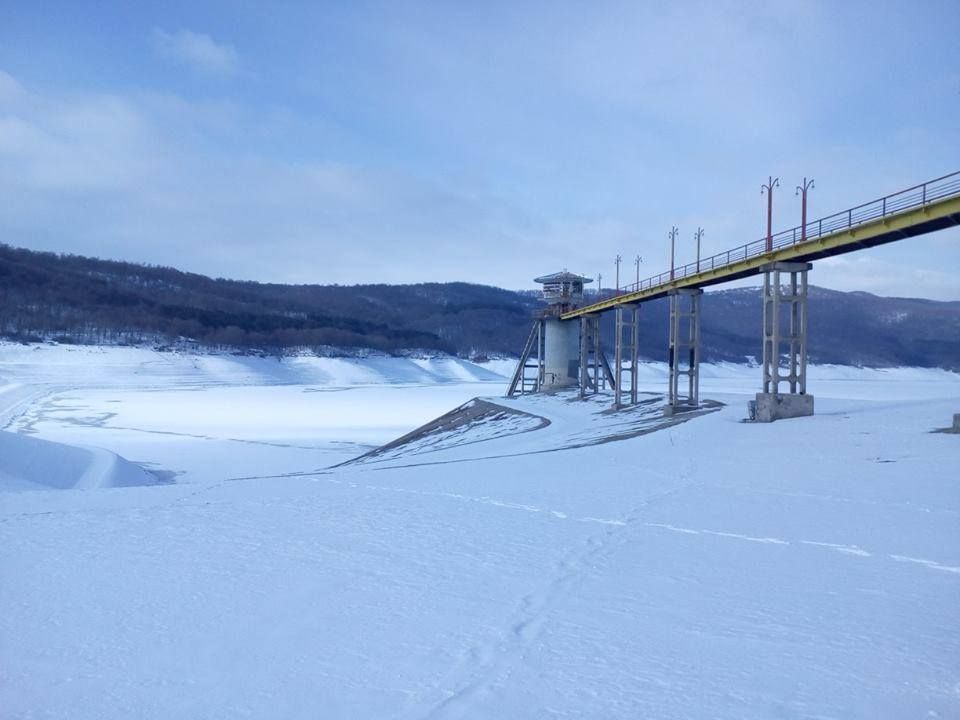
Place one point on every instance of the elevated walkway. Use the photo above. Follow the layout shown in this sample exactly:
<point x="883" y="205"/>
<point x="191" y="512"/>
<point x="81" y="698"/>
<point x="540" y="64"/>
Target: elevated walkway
<point x="925" y="208"/>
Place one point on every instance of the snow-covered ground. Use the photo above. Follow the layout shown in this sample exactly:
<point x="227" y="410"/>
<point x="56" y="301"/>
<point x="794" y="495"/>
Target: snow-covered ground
<point x="699" y="569"/>
<point x="179" y="414"/>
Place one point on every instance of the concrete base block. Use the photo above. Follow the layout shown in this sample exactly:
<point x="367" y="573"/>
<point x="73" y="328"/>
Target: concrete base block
<point x="552" y="382"/>
<point x="670" y="410"/>
<point x="771" y="407"/>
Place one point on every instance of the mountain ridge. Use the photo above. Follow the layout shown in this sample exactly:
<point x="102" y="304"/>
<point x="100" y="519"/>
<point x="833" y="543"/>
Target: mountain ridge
<point x="72" y="298"/>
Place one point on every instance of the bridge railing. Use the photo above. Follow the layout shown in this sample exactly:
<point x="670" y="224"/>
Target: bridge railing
<point x="913" y="197"/>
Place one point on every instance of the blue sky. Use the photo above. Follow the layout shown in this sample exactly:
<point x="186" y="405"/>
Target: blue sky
<point x="485" y="142"/>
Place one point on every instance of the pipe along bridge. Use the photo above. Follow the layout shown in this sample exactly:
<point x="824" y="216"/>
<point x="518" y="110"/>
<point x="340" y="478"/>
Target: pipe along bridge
<point x="564" y="345"/>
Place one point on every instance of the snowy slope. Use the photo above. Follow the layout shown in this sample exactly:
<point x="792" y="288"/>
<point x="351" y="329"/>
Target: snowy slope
<point x="707" y="569"/>
<point x="91" y="365"/>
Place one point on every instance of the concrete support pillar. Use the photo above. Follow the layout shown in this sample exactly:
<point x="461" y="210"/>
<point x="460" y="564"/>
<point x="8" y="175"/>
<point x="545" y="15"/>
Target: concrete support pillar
<point x="595" y="372"/>
<point x="784" y="344"/>
<point x="584" y="355"/>
<point x="600" y="374"/>
<point x="684" y="350"/>
<point x="591" y="376"/>
<point x="625" y="355"/>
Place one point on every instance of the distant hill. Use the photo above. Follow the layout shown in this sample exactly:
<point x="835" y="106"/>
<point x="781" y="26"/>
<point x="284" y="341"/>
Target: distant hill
<point x="87" y="300"/>
<point x="91" y="301"/>
<point x="852" y="328"/>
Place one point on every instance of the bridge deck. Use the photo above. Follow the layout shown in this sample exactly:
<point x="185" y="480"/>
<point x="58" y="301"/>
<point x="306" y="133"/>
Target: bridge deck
<point x="922" y="209"/>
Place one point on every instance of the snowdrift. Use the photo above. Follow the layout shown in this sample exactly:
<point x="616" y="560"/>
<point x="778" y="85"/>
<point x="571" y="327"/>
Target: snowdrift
<point x="487" y="428"/>
<point x="33" y="464"/>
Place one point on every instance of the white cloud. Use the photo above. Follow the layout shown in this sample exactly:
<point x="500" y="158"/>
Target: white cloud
<point x="169" y="180"/>
<point x="10" y="89"/>
<point x="196" y="50"/>
<point x="483" y="144"/>
<point x="91" y="143"/>
<point x="882" y="276"/>
<point x="162" y="179"/>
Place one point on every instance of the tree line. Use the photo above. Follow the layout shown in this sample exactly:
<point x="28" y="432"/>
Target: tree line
<point x="72" y="298"/>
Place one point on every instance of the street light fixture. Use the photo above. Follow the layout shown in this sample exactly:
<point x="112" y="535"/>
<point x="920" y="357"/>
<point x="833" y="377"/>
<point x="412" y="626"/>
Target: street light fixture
<point x="802" y="192"/>
<point x="772" y="182"/>
<point x="697" y="236"/>
<point x="673" y="243"/>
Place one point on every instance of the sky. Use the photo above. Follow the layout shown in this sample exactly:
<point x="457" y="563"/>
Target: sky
<point x="483" y="142"/>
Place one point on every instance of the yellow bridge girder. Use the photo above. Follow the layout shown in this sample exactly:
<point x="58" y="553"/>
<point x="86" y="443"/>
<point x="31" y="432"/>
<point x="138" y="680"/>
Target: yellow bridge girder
<point x="935" y="215"/>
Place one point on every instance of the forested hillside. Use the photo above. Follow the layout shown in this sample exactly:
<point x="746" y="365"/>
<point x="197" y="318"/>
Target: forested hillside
<point x="84" y="300"/>
<point x="88" y="300"/>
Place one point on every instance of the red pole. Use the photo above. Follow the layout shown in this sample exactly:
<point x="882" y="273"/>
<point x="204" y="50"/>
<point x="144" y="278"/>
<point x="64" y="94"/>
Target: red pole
<point x="802" y="190"/>
<point x="769" y="221"/>
<point x="673" y="242"/>
<point x="697" y="236"/>
<point x="803" y="217"/>
<point x="771" y="184"/>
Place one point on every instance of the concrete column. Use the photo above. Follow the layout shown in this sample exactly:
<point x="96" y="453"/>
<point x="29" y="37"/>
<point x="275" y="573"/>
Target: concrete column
<point x="625" y="355"/>
<point x="784" y="301"/>
<point x="599" y="376"/>
<point x="595" y="373"/>
<point x="584" y="355"/>
<point x="591" y="375"/>
<point x="634" y="353"/>
<point x="684" y="350"/>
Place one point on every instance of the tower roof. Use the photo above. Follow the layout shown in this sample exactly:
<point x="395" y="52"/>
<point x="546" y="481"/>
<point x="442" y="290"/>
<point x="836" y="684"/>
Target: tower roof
<point x="562" y="276"/>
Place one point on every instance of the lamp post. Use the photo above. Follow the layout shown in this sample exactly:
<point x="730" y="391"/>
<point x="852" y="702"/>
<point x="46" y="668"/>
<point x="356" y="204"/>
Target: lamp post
<point x="696" y="236"/>
<point x="673" y="243"/>
<point x="772" y="182"/>
<point x="802" y="192"/>
<point x="599" y="286"/>
<point x="637" y="262"/>
<point x="616" y="262"/>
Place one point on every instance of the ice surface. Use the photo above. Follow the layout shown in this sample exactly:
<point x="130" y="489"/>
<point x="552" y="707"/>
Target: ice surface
<point x="710" y="569"/>
<point x="180" y="413"/>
